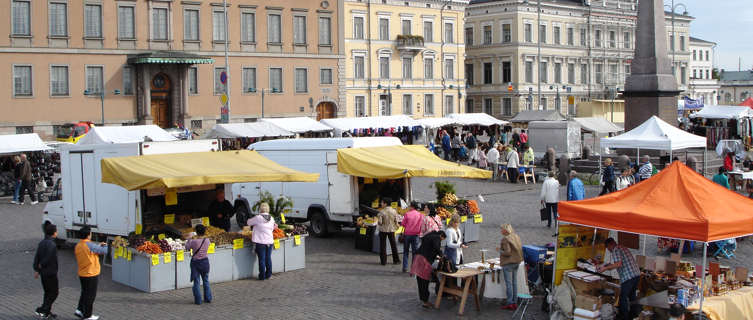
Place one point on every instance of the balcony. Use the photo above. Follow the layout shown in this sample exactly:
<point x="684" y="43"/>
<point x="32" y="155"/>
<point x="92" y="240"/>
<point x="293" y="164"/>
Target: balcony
<point x="410" y="44"/>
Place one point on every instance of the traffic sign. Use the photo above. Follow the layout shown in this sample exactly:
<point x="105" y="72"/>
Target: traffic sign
<point x="223" y="99"/>
<point x="509" y="88"/>
<point x="223" y="77"/>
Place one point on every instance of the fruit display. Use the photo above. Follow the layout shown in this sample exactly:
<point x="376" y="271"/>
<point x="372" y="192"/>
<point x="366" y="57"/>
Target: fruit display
<point x="366" y="220"/>
<point x="445" y="213"/>
<point x="213" y="231"/>
<point x="298" y="229"/>
<point x="163" y="245"/>
<point x="473" y="207"/>
<point x="443" y="188"/>
<point x="462" y="208"/>
<point x="150" y="248"/>
<point x="119" y="242"/>
<point x="449" y="199"/>
<point x="224" y="238"/>
<point x="278" y="233"/>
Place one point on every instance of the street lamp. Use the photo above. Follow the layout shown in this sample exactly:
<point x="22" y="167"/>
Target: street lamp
<point x="557" y="103"/>
<point x="101" y="95"/>
<point x="388" y="91"/>
<point x="614" y="92"/>
<point x="672" y="8"/>
<point x="272" y="90"/>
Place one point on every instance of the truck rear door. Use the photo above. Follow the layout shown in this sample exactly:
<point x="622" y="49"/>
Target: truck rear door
<point x="83" y="182"/>
<point x="341" y="193"/>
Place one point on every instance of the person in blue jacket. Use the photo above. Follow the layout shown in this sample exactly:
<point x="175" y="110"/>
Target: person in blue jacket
<point x="446" y="146"/>
<point x="575" y="189"/>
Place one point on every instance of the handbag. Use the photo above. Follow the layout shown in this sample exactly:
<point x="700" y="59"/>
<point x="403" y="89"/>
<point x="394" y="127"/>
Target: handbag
<point x="544" y="212"/>
<point x="446" y="265"/>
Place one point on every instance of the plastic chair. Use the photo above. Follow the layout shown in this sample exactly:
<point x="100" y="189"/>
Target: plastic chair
<point x="725" y="248"/>
<point x="525" y="301"/>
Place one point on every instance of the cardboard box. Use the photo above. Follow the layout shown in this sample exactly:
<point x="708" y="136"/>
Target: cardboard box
<point x="588" y="302"/>
<point x="629" y="240"/>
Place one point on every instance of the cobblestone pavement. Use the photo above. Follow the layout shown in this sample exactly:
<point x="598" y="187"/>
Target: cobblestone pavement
<point x="338" y="282"/>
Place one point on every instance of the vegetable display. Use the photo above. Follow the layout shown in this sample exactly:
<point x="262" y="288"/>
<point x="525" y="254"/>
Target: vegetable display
<point x="150" y="248"/>
<point x="473" y="207"/>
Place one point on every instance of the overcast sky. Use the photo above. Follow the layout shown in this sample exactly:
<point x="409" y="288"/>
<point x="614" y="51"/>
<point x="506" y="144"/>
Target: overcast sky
<point x="729" y="23"/>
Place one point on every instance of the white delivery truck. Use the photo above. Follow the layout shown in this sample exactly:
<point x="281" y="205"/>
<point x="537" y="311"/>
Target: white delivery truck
<point x="331" y="202"/>
<point x="81" y="199"/>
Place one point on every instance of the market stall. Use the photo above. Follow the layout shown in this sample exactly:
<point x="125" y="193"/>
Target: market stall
<point x="125" y="134"/>
<point x="401" y="126"/>
<point x="301" y="126"/>
<point x="676" y="203"/>
<point x="725" y="122"/>
<point x="176" y="189"/>
<point x="238" y="136"/>
<point x="45" y="163"/>
<point x="593" y="128"/>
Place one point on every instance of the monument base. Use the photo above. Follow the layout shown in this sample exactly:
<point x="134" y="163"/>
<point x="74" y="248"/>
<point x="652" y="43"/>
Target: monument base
<point x="640" y="106"/>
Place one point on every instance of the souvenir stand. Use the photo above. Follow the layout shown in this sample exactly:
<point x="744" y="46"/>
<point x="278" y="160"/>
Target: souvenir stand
<point x="404" y="127"/>
<point x="238" y="136"/>
<point x="303" y="127"/>
<point x="726" y="122"/>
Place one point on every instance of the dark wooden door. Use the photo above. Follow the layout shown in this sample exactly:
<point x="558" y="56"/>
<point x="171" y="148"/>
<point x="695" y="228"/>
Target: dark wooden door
<point x="325" y="110"/>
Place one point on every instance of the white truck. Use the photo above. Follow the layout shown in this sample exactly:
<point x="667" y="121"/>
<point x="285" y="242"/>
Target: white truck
<point x="331" y="202"/>
<point x="81" y="199"/>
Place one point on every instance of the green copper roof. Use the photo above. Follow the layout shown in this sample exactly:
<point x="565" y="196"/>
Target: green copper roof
<point x="169" y="57"/>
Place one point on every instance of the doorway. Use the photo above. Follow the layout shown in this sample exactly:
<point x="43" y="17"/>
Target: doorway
<point x="325" y="110"/>
<point x="160" y="106"/>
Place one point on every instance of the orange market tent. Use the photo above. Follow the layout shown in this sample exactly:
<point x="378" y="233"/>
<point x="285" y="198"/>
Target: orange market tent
<point x="748" y="102"/>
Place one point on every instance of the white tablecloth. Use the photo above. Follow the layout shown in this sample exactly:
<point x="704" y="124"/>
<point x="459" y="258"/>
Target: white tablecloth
<point x="498" y="290"/>
<point x="745" y="175"/>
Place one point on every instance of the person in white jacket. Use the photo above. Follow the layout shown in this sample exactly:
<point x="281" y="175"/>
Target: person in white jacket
<point x="454" y="247"/>
<point x="550" y="195"/>
<point x="492" y="157"/>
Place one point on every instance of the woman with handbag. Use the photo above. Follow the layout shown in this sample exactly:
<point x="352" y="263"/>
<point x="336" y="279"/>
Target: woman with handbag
<point x="430" y="249"/>
<point x="200" y="264"/>
<point x="455" y="246"/>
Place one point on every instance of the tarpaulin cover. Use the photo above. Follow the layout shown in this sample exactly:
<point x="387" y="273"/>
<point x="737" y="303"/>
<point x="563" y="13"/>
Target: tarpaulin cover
<point x="175" y="170"/>
<point x="15" y="143"/>
<point x="393" y="162"/>
<point x="125" y="134"/>
<point x="724" y="112"/>
<point x="597" y="124"/>
<point x="675" y="203"/>
<point x="748" y="103"/>
<point x="737" y="304"/>
<point x="470" y="119"/>
<point x="297" y="124"/>
<point x="381" y="122"/>
<point x="436" y="122"/>
<point x="247" y="130"/>
<point x="655" y="134"/>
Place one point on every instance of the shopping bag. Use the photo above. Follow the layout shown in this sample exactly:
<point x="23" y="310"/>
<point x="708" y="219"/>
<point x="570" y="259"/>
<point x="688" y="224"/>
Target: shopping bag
<point x="544" y="212"/>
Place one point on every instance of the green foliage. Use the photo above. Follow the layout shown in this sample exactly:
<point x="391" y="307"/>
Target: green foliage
<point x="443" y="188"/>
<point x="276" y="205"/>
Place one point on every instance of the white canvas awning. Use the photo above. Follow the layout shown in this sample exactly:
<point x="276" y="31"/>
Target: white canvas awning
<point x="382" y="122"/>
<point x="298" y="124"/>
<point x="655" y="134"/>
<point x="15" y="143"/>
<point x="436" y="122"/>
<point x="597" y="124"/>
<point x="247" y="130"/>
<point x="125" y="134"/>
<point x="470" y="119"/>
<point x="723" y="112"/>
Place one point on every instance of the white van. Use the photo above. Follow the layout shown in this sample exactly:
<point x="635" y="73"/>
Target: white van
<point x="329" y="203"/>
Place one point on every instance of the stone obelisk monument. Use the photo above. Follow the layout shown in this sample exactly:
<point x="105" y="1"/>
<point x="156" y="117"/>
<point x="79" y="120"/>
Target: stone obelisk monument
<point x="651" y="88"/>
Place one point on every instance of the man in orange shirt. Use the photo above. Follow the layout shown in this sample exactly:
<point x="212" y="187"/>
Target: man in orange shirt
<point x="87" y="257"/>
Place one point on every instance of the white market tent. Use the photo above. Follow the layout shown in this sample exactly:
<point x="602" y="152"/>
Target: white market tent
<point x="597" y="124"/>
<point x="298" y="124"/>
<point x="481" y="119"/>
<point x="125" y="134"/>
<point x="432" y="123"/>
<point x="723" y="112"/>
<point x="247" y="130"/>
<point x="382" y="122"/>
<point x="15" y="143"/>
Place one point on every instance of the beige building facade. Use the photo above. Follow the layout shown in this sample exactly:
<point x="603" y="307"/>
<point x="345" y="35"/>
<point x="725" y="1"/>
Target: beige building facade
<point x="404" y="57"/>
<point x="586" y="51"/>
<point x="160" y="61"/>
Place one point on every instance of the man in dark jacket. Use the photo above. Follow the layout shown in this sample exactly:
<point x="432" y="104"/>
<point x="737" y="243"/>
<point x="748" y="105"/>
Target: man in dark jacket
<point x="220" y="211"/>
<point x="26" y="182"/>
<point x="46" y="266"/>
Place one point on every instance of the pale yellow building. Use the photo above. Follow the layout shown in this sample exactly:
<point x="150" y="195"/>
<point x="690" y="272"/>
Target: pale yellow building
<point x="612" y="110"/>
<point x="404" y="57"/>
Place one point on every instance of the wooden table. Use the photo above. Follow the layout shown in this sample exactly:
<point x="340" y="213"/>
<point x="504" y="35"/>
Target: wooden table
<point x="471" y="286"/>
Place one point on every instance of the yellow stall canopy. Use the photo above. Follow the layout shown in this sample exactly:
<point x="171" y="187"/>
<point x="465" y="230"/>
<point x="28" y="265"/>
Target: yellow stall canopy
<point x="174" y="170"/>
<point x="393" y="162"/>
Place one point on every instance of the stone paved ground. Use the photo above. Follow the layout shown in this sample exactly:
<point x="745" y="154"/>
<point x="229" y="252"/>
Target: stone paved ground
<point x="339" y="282"/>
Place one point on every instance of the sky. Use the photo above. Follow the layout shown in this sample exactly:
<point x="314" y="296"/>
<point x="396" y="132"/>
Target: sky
<point x="729" y="23"/>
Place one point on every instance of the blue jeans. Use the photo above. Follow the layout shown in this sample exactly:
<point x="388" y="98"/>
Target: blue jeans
<point x="408" y="243"/>
<point x="204" y="277"/>
<point x="17" y="191"/>
<point x="510" y="272"/>
<point x="264" y="254"/>
<point x="627" y="296"/>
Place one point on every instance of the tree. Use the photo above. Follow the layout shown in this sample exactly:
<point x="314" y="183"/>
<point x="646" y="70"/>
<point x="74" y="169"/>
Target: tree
<point x="276" y="206"/>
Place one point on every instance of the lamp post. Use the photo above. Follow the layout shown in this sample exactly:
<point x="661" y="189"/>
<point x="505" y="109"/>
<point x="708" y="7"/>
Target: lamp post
<point x="101" y="95"/>
<point x="538" y="46"/>
<point x="272" y="90"/>
<point x="672" y="7"/>
<point x="388" y="91"/>
<point x="613" y="91"/>
<point x="558" y="103"/>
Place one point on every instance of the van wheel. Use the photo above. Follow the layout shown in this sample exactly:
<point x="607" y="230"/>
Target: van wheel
<point x="318" y="224"/>
<point x="241" y="215"/>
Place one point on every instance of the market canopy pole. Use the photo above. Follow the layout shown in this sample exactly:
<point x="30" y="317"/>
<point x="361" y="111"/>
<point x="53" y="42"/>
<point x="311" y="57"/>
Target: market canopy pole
<point x="703" y="281"/>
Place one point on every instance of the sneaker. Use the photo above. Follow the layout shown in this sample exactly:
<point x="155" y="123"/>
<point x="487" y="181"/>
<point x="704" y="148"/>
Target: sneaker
<point x="78" y="313"/>
<point x="40" y="314"/>
<point x="14" y="202"/>
<point x="34" y="202"/>
<point x="92" y="317"/>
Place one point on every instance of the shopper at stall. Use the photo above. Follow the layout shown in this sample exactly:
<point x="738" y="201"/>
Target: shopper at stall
<point x="624" y="180"/>
<point x="471" y="143"/>
<point x="721" y="178"/>
<point x="482" y="160"/>
<point x="430" y="250"/>
<point x="513" y="161"/>
<point x="263" y="225"/>
<point x="200" y="264"/>
<point x="454" y="247"/>
<point x="528" y="155"/>
<point x="510" y="256"/>
<point x="411" y="223"/>
<point x="607" y="177"/>
<point x="446" y="145"/>
<point x="220" y="211"/>
<point x="646" y="169"/>
<point x="575" y="189"/>
<point x="550" y="196"/>
<point x="431" y="221"/>
<point x="26" y="182"/>
<point x="17" y="168"/>
<point x="493" y="158"/>
<point x="523" y="137"/>
<point x="87" y="256"/>
<point x="624" y="262"/>
<point x="729" y="161"/>
<point x="46" y="267"/>
<point x="456" y="146"/>
<point x="387" y="225"/>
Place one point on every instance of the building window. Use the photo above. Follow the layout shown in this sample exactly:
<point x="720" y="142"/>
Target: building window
<point x="506" y="33"/>
<point x="627" y="69"/>
<point x="487" y="34"/>
<point x="448" y="32"/>
<point x="193" y="80"/>
<point x="449" y="65"/>
<point x="95" y="79"/>
<point x="488" y="108"/>
<point x="557" y="73"/>
<point x="248" y="27"/>
<point x="543" y="72"/>
<point x="191" y="25"/>
<point x="384" y="67"/>
<point x="613" y="75"/>
<point x="21" y="18"/>
<point x="429" y="104"/>
<point x="597" y="38"/>
<point x="384" y="29"/>
<point x="506" y="72"/>
<point x="218" y="26"/>
<point x="529" y="71"/>
<point x="468" y="36"/>
<point x="405" y="27"/>
<point x="584" y="73"/>
<point x="583" y="37"/>
<point x="468" y="105"/>
<point x="598" y="73"/>
<point x="325" y="76"/>
<point x="249" y="80"/>
<point x="275" y="79"/>
<point x="159" y="24"/>
<point x="695" y="74"/>
<point x="570" y="36"/>
<point x="469" y="74"/>
<point x="556" y="32"/>
<point x="407" y="68"/>
<point x="683" y="75"/>
<point x="682" y="43"/>
<point x="449" y="104"/>
<point x="708" y="76"/>
<point x="707" y="55"/>
<point x="24" y="129"/>
<point x="528" y="32"/>
<point x="543" y="104"/>
<point x="59" y="80"/>
<point x="301" y="80"/>
<point x="92" y="21"/>
<point x="671" y="42"/>
<point x="128" y="81"/>
<point x="542" y="33"/>
<point x="219" y="88"/>
<point x="325" y="31"/>
<point x="299" y="30"/>
<point x="407" y="104"/>
<point x="429" y="68"/>
<point x="196" y="124"/>
<point x="487" y="73"/>
<point x="428" y="31"/>
<point x="571" y="73"/>
<point x="626" y="40"/>
<point x="506" y="106"/>
<point x="360" y="104"/>
<point x="357" y="27"/>
<point x="126" y="26"/>
<point x="695" y="55"/>
<point x="58" y="19"/>
<point x="358" y="67"/>
<point x="612" y="39"/>
<point x="274" y="28"/>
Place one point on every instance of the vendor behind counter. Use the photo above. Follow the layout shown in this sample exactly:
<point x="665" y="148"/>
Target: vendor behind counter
<point x="371" y="190"/>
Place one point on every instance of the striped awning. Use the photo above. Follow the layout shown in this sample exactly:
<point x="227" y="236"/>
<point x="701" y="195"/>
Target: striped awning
<point x="169" y="57"/>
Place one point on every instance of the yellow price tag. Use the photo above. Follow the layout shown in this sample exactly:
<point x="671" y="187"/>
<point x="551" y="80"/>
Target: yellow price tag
<point x="211" y="248"/>
<point x="161" y="236"/>
<point x="362" y="231"/>
<point x="168" y="257"/>
<point x="282" y="217"/>
<point x="170" y="218"/>
<point x="393" y="204"/>
<point x="128" y="255"/>
<point x="180" y="255"/>
<point x="171" y="197"/>
<point x="118" y="252"/>
<point x="400" y="230"/>
<point x="277" y="244"/>
<point x="478" y="219"/>
<point x="155" y="259"/>
<point x="297" y="240"/>
<point x="463" y="218"/>
<point x="205" y="221"/>
<point x="138" y="229"/>
<point x="448" y="221"/>
<point x="375" y="204"/>
<point x="238" y="244"/>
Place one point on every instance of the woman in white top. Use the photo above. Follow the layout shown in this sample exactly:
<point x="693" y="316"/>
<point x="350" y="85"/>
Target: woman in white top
<point x="455" y="246"/>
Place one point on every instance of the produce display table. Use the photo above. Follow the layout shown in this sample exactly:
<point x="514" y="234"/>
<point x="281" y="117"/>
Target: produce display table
<point x="737" y="304"/>
<point x="493" y="283"/>
<point x="470" y="287"/>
